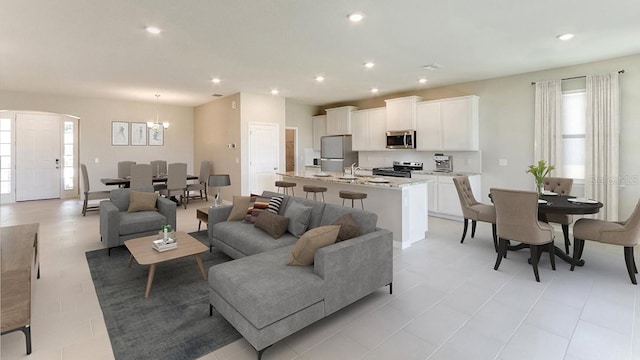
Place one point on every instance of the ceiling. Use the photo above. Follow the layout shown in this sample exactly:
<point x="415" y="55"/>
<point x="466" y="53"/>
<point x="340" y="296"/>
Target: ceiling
<point x="101" y="49"/>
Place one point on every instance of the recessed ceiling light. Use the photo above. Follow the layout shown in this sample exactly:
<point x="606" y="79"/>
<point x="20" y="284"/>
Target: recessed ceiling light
<point x="215" y="80"/>
<point x="369" y="64"/>
<point x="274" y="91"/>
<point x="153" y="30"/>
<point x="565" y="37"/>
<point x="422" y="80"/>
<point x="319" y="78"/>
<point x="374" y="90"/>
<point x="355" y="17"/>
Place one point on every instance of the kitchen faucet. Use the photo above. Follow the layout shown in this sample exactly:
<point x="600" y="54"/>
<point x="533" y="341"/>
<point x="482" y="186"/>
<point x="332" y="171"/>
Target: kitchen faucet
<point x="354" y="168"/>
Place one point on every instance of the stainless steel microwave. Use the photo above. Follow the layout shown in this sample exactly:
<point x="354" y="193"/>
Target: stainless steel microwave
<point x="403" y="139"/>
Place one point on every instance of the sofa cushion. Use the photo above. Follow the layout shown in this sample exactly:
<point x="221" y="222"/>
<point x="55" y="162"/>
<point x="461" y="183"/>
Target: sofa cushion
<point x="140" y="222"/>
<point x="365" y="219"/>
<point x="305" y="248"/>
<point x="348" y="227"/>
<point x="273" y="224"/>
<point x="263" y="289"/>
<point x="240" y="206"/>
<point x="298" y="215"/>
<point x="142" y="201"/>
<point x="248" y="239"/>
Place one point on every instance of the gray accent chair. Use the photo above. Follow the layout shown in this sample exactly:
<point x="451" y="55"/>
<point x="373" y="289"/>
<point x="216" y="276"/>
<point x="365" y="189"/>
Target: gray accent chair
<point x="87" y="194"/>
<point x="562" y="187"/>
<point x="201" y="185"/>
<point x="517" y="220"/>
<point x="474" y="210"/>
<point x="621" y="233"/>
<point x="117" y="225"/>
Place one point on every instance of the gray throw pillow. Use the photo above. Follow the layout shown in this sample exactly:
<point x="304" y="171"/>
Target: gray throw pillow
<point x="299" y="216"/>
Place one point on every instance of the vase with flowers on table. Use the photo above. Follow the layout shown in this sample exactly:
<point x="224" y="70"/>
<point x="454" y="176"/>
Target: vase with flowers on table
<point x="539" y="172"/>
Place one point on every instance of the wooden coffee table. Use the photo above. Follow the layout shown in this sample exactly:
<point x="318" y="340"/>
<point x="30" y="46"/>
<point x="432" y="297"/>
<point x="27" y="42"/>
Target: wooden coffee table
<point x="144" y="254"/>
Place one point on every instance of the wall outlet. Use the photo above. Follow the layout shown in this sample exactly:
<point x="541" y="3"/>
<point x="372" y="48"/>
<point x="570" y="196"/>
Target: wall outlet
<point x="502" y="162"/>
<point x="233" y="104"/>
<point x="231" y="146"/>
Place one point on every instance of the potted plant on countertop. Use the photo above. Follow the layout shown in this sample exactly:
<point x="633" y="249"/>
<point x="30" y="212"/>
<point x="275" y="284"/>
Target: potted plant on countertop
<point x="539" y="171"/>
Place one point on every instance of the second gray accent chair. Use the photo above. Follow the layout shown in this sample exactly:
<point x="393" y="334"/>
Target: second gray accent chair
<point x="474" y="210"/>
<point x="517" y="220"/>
<point x="562" y="187"/>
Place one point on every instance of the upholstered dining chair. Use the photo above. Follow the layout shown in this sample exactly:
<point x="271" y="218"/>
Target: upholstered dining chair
<point x="140" y="176"/>
<point x="562" y="187"/>
<point x="517" y="220"/>
<point x="474" y="210"/>
<point x="124" y="168"/>
<point x="201" y="185"/>
<point x="622" y="233"/>
<point x="176" y="182"/>
<point x="87" y="194"/>
<point x="159" y="168"/>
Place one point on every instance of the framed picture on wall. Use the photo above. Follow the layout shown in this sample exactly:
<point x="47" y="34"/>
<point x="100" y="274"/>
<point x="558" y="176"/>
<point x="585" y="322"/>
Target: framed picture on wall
<point x="156" y="135"/>
<point x="138" y="133"/>
<point x="119" y="133"/>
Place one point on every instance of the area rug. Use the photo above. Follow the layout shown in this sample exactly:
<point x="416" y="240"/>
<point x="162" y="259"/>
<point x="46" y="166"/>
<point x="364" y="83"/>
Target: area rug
<point x="173" y="322"/>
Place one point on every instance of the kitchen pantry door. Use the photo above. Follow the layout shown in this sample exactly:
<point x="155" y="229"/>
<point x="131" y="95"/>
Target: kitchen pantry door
<point x="37" y="157"/>
<point x="264" y="154"/>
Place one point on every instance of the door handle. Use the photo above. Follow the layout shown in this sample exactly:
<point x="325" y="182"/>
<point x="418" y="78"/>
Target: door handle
<point x="57" y="161"/>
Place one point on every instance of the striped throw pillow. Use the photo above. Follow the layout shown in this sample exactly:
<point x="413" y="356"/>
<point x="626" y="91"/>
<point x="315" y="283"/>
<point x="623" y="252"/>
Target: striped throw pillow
<point x="260" y="203"/>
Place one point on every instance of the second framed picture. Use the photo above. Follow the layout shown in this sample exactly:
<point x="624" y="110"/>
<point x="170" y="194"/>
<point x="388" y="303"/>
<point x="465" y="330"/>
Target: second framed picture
<point x="138" y="133"/>
<point x="156" y="135"/>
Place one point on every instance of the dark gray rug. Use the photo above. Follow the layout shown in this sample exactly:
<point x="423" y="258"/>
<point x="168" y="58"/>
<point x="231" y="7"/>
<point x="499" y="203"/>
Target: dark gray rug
<point x="174" y="322"/>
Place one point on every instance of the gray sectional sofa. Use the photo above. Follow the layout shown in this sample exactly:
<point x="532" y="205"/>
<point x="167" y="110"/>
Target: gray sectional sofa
<point x="267" y="300"/>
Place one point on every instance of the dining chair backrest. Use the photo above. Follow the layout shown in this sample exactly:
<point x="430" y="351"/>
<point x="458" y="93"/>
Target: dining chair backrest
<point x="517" y="216"/>
<point x="560" y="186"/>
<point x="632" y="227"/>
<point x="204" y="172"/>
<point x="140" y="176"/>
<point x="85" y="179"/>
<point x="124" y="168"/>
<point x="465" y="194"/>
<point x="158" y="167"/>
<point x="177" y="176"/>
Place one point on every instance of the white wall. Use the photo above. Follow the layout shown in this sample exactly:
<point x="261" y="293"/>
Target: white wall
<point x="96" y="116"/>
<point x="299" y="116"/>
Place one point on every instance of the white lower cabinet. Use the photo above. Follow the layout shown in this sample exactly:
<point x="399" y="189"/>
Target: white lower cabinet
<point x="442" y="194"/>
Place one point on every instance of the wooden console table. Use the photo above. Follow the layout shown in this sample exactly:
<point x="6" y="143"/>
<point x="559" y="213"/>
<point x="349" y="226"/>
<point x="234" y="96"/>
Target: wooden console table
<point x="20" y="266"/>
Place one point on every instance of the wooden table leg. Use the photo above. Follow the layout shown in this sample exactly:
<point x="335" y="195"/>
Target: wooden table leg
<point x="130" y="261"/>
<point x="152" y="272"/>
<point x="201" y="266"/>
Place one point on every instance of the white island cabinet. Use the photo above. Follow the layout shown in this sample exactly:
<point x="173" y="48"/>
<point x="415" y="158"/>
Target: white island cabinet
<point x="400" y="204"/>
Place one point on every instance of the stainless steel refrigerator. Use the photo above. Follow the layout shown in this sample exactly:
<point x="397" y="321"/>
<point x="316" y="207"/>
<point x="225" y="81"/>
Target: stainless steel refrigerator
<point x="336" y="153"/>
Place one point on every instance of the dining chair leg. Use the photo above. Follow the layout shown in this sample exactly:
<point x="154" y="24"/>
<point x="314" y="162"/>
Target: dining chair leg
<point x="464" y="230"/>
<point x="473" y="228"/>
<point x="534" y="260"/>
<point x="495" y="236"/>
<point x="552" y="255"/>
<point x="578" y="245"/>
<point x="628" y="259"/>
<point x="565" y="232"/>
<point x="206" y="196"/>
<point x="85" y="203"/>
<point x="502" y="247"/>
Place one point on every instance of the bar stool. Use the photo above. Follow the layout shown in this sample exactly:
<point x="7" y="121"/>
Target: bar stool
<point x="314" y="189"/>
<point x="285" y="185"/>
<point x="352" y="195"/>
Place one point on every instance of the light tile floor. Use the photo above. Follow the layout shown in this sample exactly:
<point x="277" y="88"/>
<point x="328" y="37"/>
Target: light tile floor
<point x="448" y="302"/>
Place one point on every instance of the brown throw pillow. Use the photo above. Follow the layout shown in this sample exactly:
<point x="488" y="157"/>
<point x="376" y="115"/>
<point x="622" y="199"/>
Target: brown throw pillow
<point x="273" y="224"/>
<point x="348" y="227"/>
<point x="240" y="206"/>
<point x="304" y="250"/>
<point x="142" y="201"/>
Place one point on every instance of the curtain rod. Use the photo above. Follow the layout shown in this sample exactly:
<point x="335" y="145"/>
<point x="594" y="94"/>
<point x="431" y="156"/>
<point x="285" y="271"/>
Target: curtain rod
<point x="578" y="77"/>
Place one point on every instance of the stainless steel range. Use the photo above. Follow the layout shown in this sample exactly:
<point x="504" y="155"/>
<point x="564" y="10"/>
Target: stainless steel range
<point x="399" y="169"/>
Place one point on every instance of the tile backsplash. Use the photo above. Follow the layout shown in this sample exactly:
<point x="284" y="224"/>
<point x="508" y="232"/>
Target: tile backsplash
<point x="463" y="161"/>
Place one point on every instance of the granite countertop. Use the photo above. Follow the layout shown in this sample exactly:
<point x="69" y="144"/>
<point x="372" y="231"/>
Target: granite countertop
<point x="364" y="180"/>
<point x="440" y="173"/>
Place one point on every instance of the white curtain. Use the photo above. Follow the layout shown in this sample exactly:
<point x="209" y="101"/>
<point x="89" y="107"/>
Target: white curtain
<point x="548" y="124"/>
<point x="602" y="143"/>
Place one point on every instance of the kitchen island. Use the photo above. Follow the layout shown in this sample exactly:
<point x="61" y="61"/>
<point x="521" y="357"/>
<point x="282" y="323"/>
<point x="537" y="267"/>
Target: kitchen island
<point x="400" y="203"/>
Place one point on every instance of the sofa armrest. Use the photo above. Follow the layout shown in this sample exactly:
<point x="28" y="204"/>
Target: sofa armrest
<point x="109" y="223"/>
<point x="167" y="208"/>
<point x="355" y="268"/>
<point x="217" y="214"/>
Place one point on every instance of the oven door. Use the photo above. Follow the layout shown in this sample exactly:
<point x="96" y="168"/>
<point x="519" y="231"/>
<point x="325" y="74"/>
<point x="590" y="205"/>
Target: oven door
<point x="401" y="139"/>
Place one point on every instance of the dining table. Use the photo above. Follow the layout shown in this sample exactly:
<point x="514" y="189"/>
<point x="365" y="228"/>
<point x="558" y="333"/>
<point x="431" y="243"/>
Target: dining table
<point x="125" y="182"/>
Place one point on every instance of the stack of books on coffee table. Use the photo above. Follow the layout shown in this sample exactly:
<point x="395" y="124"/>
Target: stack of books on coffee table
<point x="161" y="245"/>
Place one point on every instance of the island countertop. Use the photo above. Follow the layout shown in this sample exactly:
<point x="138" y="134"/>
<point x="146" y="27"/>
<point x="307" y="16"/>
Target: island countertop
<point x="364" y="180"/>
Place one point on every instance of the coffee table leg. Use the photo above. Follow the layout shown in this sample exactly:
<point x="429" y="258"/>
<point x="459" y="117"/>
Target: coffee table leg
<point x="152" y="272"/>
<point x="130" y="260"/>
<point x="201" y="266"/>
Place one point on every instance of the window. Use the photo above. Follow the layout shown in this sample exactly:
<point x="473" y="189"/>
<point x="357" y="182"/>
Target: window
<point x="5" y="156"/>
<point x="67" y="156"/>
<point x="574" y="104"/>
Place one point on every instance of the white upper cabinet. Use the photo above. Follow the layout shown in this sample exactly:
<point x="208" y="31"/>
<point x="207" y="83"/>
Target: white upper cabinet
<point x="319" y="130"/>
<point x="368" y="128"/>
<point x="448" y="124"/>
<point x="339" y="120"/>
<point x="401" y="113"/>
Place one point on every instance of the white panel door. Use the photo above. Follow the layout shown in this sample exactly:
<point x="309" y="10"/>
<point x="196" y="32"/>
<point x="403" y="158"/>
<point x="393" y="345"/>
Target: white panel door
<point x="38" y="160"/>
<point x="263" y="156"/>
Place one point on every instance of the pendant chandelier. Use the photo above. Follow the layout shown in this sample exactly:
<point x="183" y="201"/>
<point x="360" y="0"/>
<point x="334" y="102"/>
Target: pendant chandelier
<point x="155" y="126"/>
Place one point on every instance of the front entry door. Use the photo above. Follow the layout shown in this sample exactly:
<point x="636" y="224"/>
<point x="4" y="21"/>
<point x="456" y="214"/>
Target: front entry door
<point x="264" y="154"/>
<point x="38" y="161"/>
